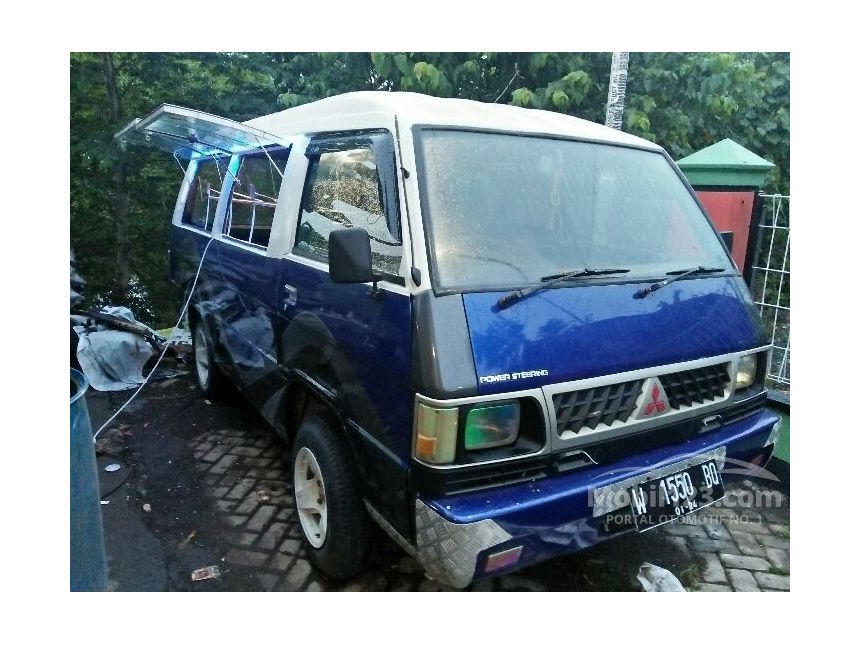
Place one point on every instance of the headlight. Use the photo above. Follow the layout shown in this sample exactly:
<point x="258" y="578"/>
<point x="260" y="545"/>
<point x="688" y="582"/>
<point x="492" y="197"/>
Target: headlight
<point x="492" y="425"/>
<point x="436" y="434"/>
<point x="746" y="371"/>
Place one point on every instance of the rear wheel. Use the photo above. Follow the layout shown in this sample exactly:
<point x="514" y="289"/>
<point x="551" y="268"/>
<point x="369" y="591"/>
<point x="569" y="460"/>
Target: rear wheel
<point x="210" y="380"/>
<point x="334" y="522"/>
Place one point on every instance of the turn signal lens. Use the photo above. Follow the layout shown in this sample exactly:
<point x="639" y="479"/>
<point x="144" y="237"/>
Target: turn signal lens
<point x="746" y="371"/>
<point x="436" y="434"/>
<point x="491" y="426"/>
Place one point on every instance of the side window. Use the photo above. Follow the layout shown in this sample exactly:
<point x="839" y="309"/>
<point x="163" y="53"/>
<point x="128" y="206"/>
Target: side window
<point x="343" y="190"/>
<point x="254" y="196"/>
<point x="203" y="197"/>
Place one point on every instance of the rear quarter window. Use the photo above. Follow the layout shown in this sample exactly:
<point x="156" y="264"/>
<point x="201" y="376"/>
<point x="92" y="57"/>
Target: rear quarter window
<point x="202" y="200"/>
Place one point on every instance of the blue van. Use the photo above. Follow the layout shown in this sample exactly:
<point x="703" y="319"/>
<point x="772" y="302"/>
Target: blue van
<point x="500" y="334"/>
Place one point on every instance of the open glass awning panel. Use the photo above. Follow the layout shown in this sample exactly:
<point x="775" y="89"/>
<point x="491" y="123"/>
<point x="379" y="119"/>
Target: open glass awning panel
<point x="188" y="133"/>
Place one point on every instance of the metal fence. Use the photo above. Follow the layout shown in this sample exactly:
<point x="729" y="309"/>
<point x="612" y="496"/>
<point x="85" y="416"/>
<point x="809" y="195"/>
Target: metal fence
<point x="771" y="286"/>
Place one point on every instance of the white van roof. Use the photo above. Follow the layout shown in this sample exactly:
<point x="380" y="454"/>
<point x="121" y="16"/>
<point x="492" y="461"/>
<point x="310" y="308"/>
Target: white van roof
<point x="411" y="109"/>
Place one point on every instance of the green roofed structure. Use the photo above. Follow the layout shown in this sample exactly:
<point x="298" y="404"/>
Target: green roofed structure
<point x="725" y="163"/>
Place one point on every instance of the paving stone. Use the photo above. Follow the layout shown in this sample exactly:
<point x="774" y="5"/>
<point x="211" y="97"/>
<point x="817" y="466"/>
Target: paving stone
<point x="249" y="504"/>
<point x="246" y="451"/>
<point x="268" y="581"/>
<point x="215" y="454"/>
<point x="281" y="562"/>
<point x="777" y="515"/>
<point x="710" y="567"/>
<point x="234" y="520"/>
<point x="704" y="586"/>
<point x="224" y="505"/>
<point x="245" y="558"/>
<point x="715" y="530"/>
<point x="315" y="586"/>
<point x="742" y="580"/>
<point x="298" y="574"/>
<point x="231" y="478"/>
<point x="748" y="543"/>
<point x="224" y="464"/>
<point x="780" y="530"/>
<point x="744" y="562"/>
<point x="241" y="488"/>
<point x="217" y="491"/>
<point x="261" y="518"/>
<point x="775" y="542"/>
<point x="290" y="546"/>
<point x="724" y="512"/>
<point x="686" y="530"/>
<point x="257" y="462"/>
<point x="211" y="481"/>
<point x="233" y="441"/>
<point x="752" y="526"/>
<point x="273" y="535"/>
<point x="779" y="558"/>
<point x="773" y="581"/>
<point x="713" y="546"/>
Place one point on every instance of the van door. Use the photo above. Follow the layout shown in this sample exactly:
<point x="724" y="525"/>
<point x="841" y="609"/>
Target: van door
<point x="249" y="277"/>
<point x="352" y="342"/>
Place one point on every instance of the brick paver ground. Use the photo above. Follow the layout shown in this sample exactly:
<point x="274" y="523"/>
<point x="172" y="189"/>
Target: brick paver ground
<point x="239" y="477"/>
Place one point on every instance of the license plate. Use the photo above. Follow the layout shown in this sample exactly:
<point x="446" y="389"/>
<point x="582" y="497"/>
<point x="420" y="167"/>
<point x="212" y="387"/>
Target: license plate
<point x="667" y="498"/>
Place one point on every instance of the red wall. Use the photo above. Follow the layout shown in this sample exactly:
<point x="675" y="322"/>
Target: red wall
<point x="731" y="211"/>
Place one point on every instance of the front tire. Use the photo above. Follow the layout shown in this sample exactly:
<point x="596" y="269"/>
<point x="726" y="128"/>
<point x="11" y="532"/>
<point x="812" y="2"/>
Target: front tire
<point x="335" y="525"/>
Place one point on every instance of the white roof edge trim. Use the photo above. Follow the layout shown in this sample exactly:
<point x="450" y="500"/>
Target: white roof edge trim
<point x="419" y="109"/>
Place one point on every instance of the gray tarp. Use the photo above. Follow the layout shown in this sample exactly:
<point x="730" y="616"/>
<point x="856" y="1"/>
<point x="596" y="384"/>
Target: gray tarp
<point x="112" y="359"/>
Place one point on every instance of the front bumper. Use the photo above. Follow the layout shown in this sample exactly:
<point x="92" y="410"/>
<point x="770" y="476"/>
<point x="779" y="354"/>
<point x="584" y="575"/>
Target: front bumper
<point x="456" y="535"/>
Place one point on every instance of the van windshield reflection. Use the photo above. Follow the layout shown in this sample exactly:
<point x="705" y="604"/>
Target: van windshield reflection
<point x="507" y="210"/>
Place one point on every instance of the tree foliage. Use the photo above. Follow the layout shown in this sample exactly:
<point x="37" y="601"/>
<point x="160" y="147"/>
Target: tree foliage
<point x="683" y="102"/>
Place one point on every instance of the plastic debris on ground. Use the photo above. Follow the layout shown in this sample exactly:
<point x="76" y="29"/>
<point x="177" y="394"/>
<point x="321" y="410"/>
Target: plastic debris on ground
<point x="263" y="496"/>
<point x="113" y="348"/>
<point x="112" y="468"/>
<point x="147" y="508"/>
<point x="654" y="578"/>
<point x="206" y="573"/>
<point x="112" y="359"/>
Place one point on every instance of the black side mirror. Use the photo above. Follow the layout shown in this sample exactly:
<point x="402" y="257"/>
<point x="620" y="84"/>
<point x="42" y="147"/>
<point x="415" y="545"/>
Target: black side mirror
<point x="728" y="239"/>
<point x="349" y="260"/>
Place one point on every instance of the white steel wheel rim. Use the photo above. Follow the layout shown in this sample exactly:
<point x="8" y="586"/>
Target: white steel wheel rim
<point x="201" y="357"/>
<point x="311" y="502"/>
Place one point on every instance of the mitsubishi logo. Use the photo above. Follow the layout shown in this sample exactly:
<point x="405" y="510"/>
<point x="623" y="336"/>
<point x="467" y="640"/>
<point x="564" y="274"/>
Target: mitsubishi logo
<point x="657" y="403"/>
<point x="654" y="400"/>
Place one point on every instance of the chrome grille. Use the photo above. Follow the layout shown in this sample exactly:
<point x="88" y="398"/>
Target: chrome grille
<point x="596" y="406"/>
<point x="696" y="386"/>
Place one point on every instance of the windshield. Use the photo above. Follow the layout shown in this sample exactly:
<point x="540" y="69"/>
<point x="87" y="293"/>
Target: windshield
<point x="507" y="210"/>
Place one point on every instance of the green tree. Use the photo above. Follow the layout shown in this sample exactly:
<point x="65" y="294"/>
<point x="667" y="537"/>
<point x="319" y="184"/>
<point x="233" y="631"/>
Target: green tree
<point x="121" y="202"/>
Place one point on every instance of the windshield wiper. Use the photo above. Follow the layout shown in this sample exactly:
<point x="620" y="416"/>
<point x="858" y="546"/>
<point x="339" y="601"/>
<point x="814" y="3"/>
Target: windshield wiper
<point x="549" y="280"/>
<point x="676" y="275"/>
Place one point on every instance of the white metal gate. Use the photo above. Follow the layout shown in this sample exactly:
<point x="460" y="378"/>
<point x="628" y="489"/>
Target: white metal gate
<point x="771" y="285"/>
